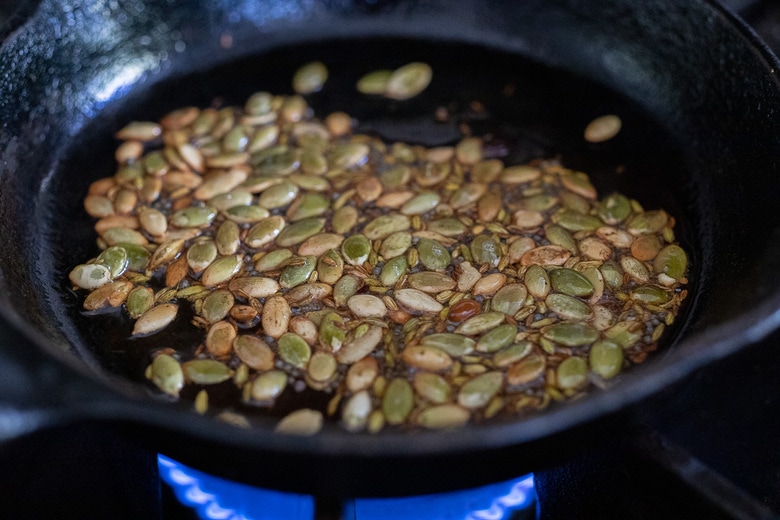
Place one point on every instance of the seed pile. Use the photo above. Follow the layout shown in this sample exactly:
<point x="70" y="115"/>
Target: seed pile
<point x="415" y="286"/>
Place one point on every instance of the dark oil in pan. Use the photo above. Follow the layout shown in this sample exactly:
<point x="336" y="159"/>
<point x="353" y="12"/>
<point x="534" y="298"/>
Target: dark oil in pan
<point x="524" y="109"/>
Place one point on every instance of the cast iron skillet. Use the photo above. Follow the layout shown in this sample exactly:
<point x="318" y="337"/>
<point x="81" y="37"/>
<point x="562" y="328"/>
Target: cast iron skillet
<point x="696" y="89"/>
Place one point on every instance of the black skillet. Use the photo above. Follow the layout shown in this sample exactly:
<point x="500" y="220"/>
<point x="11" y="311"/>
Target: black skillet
<point x="696" y="89"/>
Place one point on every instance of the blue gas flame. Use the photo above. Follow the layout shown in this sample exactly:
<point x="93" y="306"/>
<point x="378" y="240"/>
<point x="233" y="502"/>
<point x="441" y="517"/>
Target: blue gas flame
<point x="214" y="498"/>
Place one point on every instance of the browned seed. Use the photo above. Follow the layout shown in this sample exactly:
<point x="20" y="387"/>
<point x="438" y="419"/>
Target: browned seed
<point x="427" y="357"/>
<point x="320" y="244"/>
<point x="254" y="352"/>
<point x="358" y="348"/>
<point x="595" y="249"/>
<point x="276" y="316"/>
<point x="369" y="189"/>
<point x="176" y="271"/>
<point x="488" y="285"/>
<point x="362" y="374"/>
<point x="308" y="293"/>
<point x="546" y="255"/>
<point x="338" y="123"/>
<point x="116" y="221"/>
<point x="219" y="339"/>
<point x="155" y="319"/>
<point x="394" y="200"/>
<point x="305" y="328"/>
<point x="645" y="247"/>
<point x="243" y="313"/>
<point x="98" y="206"/>
<point x="110" y="295"/>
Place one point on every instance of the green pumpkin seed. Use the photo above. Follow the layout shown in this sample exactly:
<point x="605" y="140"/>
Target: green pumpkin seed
<point x="671" y="261"/>
<point x="374" y="82"/>
<point x="139" y="131"/>
<point x="137" y="257"/>
<point x="408" y="81"/>
<point x="265" y="231"/>
<point x="268" y="386"/>
<point x="455" y="345"/>
<point x="477" y="392"/>
<point x="221" y="270"/>
<point x="296" y="233"/>
<point x="227" y="238"/>
<point x="433" y="255"/>
<point x="432" y="387"/>
<point x="246" y="214"/>
<point x="201" y="254"/>
<point x="572" y="373"/>
<point x="497" y="338"/>
<point x="294" y="350"/>
<point x="310" y="78"/>
<point x="120" y="235"/>
<point x="194" y="217"/>
<point x="486" y="250"/>
<point x="512" y="354"/>
<point x="397" y="401"/>
<point x="231" y="199"/>
<point x="264" y="138"/>
<point x="115" y="258"/>
<point x="345" y="288"/>
<point x="614" y="208"/>
<point x="393" y="270"/>
<point x="568" y="307"/>
<point x="297" y="271"/>
<point x="397" y="176"/>
<point x="480" y="323"/>
<point x="385" y="225"/>
<point x="139" y="301"/>
<point x="558" y="236"/>
<point x="330" y="267"/>
<point x="344" y="219"/>
<point x="625" y="333"/>
<point x="308" y="205"/>
<point x="538" y="281"/>
<point x="431" y="281"/>
<point x="167" y="374"/>
<point x="355" y="249"/>
<point x="421" y="203"/>
<point x="606" y="358"/>
<point x="571" y="334"/>
<point x="395" y="245"/>
<point x="331" y="333"/>
<point x="278" y="196"/>
<point x="348" y="155"/>
<point x="520" y="174"/>
<point x="216" y="305"/>
<point x="651" y="294"/>
<point x="273" y="261"/>
<point x="574" y="221"/>
<point x="568" y="281"/>
<point x="448" y="227"/>
<point x="612" y="274"/>
<point x="647" y="222"/>
<point x="443" y="416"/>
<point x="510" y="298"/>
<point x="206" y="371"/>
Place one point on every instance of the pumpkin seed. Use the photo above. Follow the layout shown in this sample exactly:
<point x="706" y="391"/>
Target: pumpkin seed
<point x="443" y="416"/>
<point x="512" y="353"/>
<point x="254" y="286"/>
<point x="568" y="307"/>
<point x="216" y="305"/>
<point x="572" y="373"/>
<point x="356" y="411"/>
<point x="167" y="374"/>
<point x="273" y="261"/>
<point x="268" y="386"/>
<point x="374" y="82"/>
<point x="367" y="306"/>
<point x="358" y="347"/>
<point x="310" y="78"/>
<point x="294" y="350"/>
<point x="254" y="352"/>
<point x="139" y="300"/>
<point x="426" y="357"/>
<point x="571" y="334"/>
<point x="345" y="288"/>
<point x="299" y="231"/>
<point x="486" y="250"/>
<point x="355" y="249"/>
<point x="393" y="270"/>
<point x="330" y="267"/>
<point x="477" y="392"/>
<point x="480" y="323"/>
<point x="112" y="294"/>
<point x="455" y="345"/>
<point x="397" y="401"/>
<point x="385" y="225"/>
<point x="276" y="316"/>
<point x="418" y="301"/>
<point x="432" y="387"/>
<point x="568" y="281"/>
<point x="201" y="254"/>
<point x="206" y="371"/>
<point x="671" y="261"/>
<point x="155" y="319"/>
<point x="605" y="358"/>
<point x="344" y="219"/>
<point x="221" y="270"/>
<point x="497" y="338"/>
<point x="407" y="81"/>
<point x="433" y="255"/>
<point x="602" y="128"/>
<point x="297" y="271"/>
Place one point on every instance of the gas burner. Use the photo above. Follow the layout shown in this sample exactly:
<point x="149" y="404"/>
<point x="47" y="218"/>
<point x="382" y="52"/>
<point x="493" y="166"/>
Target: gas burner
<point x="213" y="498"/>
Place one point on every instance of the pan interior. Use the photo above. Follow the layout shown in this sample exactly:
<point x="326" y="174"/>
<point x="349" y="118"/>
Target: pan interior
<point x="529" y="110"/>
